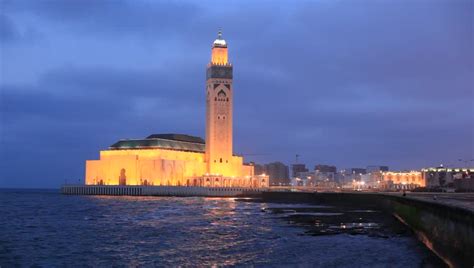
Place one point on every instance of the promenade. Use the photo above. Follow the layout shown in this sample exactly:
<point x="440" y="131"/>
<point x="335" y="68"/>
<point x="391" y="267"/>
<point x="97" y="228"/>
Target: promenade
<point x="461" y="200"/>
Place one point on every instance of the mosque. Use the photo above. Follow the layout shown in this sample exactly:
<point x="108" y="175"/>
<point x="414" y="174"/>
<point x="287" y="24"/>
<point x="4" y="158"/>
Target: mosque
<point x="184" y="160"/>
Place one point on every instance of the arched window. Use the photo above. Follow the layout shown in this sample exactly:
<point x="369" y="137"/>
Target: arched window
<point x="221" y="95"/>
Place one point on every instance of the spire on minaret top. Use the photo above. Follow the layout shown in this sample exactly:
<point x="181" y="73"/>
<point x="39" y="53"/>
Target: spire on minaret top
<point x="219" y="42"/>
<point x="219" y="51"/>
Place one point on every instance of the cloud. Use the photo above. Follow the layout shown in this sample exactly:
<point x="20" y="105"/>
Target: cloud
<point x="8" y="31"/>
<point x="111" y="17"/>
<point x="48" y="130"/>
<point x="334" y="81"/>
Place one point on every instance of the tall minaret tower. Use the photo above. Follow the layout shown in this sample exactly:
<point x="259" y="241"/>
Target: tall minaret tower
<point x="219" y="111"/>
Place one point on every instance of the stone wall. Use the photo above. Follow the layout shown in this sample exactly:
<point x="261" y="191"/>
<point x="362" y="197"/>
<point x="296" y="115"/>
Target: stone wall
<point x="446" y="230"/>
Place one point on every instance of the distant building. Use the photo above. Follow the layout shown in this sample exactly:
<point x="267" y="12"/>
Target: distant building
<point x="325" y="173"/>
<point x="464" y="185"/>
<point x="324" y="176"/>
<point x="371" y="169"/>
<point x="359" y="171"/>
<point x="278" y="173"/>
<point x="448" y="177"/>
<point x="259" y="169"/>
<point x="315" y="179"/>
<point x="405" y="180"/>
<point x="340" y="178"/>
<point x="296" y="169"/>
<point x="344" y="176"/>
<point x="325" y="168"/>
<point x="373" y="175"/>
<point x="304" y="178"/>
<point x="349" y="175"/>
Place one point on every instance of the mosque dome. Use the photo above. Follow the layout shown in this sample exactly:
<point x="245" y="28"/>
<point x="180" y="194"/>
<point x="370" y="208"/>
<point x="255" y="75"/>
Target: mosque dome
<point x="219" y="42"/>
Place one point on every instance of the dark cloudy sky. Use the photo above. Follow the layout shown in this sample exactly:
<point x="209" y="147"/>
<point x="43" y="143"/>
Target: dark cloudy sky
<point x="344" y="82"/>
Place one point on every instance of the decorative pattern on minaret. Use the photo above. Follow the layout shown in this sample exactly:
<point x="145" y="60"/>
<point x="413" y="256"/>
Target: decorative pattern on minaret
<point x="219" y="111"/>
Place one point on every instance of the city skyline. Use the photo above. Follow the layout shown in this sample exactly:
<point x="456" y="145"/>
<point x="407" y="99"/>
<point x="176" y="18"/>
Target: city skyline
<point x="351" y="85"/>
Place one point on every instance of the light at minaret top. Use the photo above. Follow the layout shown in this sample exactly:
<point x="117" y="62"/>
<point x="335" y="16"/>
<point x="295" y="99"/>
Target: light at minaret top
<point x="219" y="51"/>
<point x="219" y="41"/>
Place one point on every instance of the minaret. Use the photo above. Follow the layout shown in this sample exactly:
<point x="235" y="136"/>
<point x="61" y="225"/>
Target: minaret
<point x="219" y="111"/>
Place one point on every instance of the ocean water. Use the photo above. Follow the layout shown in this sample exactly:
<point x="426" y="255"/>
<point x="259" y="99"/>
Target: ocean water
<point x="45" y="228"/>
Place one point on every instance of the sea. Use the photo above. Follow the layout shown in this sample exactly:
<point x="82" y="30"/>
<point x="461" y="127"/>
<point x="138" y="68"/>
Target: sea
<point x="45" y="228"/>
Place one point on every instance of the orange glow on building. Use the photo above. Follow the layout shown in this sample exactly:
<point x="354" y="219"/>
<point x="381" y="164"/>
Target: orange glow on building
<point x="183" y="160"/>
<point x="219" y="100"/>
<point x="162" y="167"/>
<point x="404" y="178"/>
<point x="219" y="51"/>
<point x="219" y="56"/>
<point x="144" y="167"/>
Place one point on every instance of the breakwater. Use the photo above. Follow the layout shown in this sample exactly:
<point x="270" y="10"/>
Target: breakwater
<point x="447" y="230"/>
<point x="158" y="190"/>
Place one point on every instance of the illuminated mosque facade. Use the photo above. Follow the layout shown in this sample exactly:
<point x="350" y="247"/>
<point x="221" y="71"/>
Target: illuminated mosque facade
<point x="183" y="160"/>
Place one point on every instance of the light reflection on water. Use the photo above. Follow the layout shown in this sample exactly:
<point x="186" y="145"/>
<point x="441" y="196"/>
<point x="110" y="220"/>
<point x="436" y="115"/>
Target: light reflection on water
<point x="48" y="229"/>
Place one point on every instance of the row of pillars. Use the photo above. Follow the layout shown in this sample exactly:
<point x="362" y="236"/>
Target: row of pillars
<point x="97" y="190"/>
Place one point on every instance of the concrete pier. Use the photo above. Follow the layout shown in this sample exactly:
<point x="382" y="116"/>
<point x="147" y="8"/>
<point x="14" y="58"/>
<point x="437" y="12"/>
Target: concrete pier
<point x="159" y="190"/>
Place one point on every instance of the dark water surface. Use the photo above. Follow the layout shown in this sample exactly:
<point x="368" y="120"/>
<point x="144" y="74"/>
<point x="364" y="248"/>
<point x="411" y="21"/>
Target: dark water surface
<point x="41" y="227"/>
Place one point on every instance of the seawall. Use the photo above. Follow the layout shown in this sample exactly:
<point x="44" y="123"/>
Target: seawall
<point x="159" y="190"/>
<point x="447" y="230"/>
